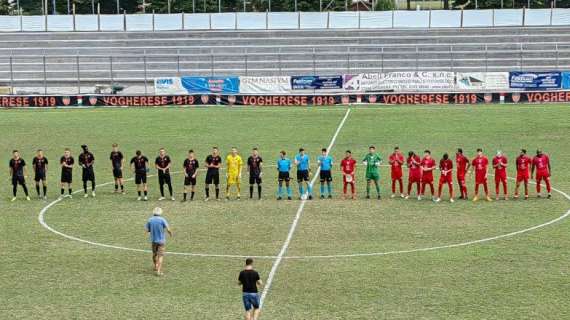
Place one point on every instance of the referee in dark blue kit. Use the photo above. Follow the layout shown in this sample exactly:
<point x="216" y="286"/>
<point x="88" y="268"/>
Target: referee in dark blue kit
<point x="249" y="280"/>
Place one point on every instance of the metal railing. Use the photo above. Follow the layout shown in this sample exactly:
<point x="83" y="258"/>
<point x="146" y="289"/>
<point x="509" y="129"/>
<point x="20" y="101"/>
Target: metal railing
<point x="289" y="20"/>
<point x="82" y="74"/>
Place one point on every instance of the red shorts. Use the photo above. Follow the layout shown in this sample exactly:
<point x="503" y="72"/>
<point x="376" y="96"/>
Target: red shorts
<point x="427" y="178"/>
<point x="414" y="178"/>
<point x="443" y="179"/>
<point x="396" y="174"/>
<point x="500" y="176"/>
<point x="344" y="179"/>
<point x="542" y="175"/>
<point x="480" y="178"/>
<point x="523" y="176"/>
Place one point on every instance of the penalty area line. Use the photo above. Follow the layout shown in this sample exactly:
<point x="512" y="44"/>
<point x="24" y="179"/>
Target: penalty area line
<point x="293" y="227"/>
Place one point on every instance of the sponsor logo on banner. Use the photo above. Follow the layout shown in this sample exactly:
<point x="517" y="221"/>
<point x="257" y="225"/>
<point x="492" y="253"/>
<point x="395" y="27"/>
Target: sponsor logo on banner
<point x="372" y="99"/>
<point x="164" y="86"/>
<point x="535" y="80"/>
<point x="516" y="97"/>
<point x="205" y="99"/>
<point x="345" y="99"/>
<point x="211" y="84"/>
<point x="361" y="82"/>
<point x="267" y="85"/>
<point x="231" y="100"/>
<point x="316" y="82"/>
<point x="565" y="80"/>
<point x="482" y="81"/>
<point x="93" y="100"/>
<point x="488" y="97"/>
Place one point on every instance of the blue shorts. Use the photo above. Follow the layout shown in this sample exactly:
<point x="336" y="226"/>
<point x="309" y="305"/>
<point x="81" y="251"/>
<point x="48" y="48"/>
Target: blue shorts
<point x="250" y="300"/>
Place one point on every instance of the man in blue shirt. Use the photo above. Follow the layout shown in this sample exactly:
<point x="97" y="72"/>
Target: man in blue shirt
<point x="155" y="228"/>
<point x="303" y="172"/>
<point x="325" y="163"/>
<point x="283" y="167"/>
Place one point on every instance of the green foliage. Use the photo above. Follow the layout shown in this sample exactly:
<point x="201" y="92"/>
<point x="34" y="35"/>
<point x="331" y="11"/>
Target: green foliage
<point x="385" y="5"/>
<point x="5" y="7"/>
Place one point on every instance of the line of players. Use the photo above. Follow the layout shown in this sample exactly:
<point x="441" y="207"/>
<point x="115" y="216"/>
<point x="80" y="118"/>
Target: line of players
<point x="420" y="173"/>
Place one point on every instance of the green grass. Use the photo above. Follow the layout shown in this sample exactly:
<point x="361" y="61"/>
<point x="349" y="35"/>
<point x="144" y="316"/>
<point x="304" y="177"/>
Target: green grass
<point x="45" y="276"/>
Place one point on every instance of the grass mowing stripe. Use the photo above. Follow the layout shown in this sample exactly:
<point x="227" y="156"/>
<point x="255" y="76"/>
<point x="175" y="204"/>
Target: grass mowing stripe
<point x="297" y="217"/>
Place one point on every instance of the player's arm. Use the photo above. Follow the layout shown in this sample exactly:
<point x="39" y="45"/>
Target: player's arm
<point x="25" y="171"/>
<point x="532" y="168"/>
<point x="132" y="165"/>
<point x="196" y="170"/>
<point x="11" y="171"/>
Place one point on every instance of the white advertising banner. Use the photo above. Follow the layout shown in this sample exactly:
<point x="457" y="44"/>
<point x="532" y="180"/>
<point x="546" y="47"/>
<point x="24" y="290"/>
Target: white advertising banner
<point x="482" y="81"/>
<point x="168" y="86"/>
<point x="401" y="81"/>
<point x="417" y="81"/>
<point x="265" y="85"/>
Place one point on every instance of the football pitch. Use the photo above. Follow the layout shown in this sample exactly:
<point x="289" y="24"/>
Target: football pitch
<point x="328" y="259"/>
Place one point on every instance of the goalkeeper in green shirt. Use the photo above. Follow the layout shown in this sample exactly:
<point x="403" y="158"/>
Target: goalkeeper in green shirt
<point x="372" y="162"/>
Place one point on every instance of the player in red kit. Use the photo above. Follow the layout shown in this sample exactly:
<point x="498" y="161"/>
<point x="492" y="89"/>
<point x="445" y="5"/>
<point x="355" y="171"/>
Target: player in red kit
<point x="523" y="163"/>
<point x="446" y="177"/>
<point x="348" y="168"/>
<point x="428" y="165"/>
<point x="542" y="165"/>
<point x="500" y="165"/>
<point x="480" y="164"/>
<point x="396" y="161"/>
<point x="463" y="165"/>
<point x="414" y="173"/>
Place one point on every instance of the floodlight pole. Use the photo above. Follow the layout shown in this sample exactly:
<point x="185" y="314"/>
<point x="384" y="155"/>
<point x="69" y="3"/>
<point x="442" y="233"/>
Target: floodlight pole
<point x="92" y="7"/>
<point x="296" y="6"/>
<point x="220" y="6"/>
<point x="118" y="7"/>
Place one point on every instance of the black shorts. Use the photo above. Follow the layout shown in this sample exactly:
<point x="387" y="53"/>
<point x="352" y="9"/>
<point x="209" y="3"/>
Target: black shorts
<point x="189" y="181"/>
<point x="326" y="175"/>
<point x="212" y="177"/>
<point x="87" y="174"/>
<point x="302" y="175"/>
<point x="140" y="178"/>
<point x="164" y="178"/>
<point x="66" y="176"/>
<point x="253" y="179"/>
<point x="18" y="180"/>
<point x="40" y="176"/>
<point x="117" y="173"/>
<point x="284" y="176"/>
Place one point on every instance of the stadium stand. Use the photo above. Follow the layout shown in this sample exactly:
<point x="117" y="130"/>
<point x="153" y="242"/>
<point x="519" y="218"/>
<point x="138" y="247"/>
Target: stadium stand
<point x="72" y="62"/>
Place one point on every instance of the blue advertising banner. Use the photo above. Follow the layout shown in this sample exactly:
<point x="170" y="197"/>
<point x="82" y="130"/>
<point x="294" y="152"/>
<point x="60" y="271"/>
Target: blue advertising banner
<point x="211" y="84"/>
<point x="316" y="82"/>
<point x="535" y="80"/>
<point x="565" y="80"/>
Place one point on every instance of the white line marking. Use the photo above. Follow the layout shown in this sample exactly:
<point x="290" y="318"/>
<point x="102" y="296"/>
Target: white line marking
<point x="296" y="220"/>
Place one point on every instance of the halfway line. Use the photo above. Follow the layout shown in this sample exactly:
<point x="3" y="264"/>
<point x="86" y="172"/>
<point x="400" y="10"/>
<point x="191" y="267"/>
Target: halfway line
<point x="297" y="218"/>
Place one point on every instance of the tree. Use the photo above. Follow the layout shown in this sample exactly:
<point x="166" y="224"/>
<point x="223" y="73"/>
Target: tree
<point x="385" y="5"/>
<point x="5" y="7"/>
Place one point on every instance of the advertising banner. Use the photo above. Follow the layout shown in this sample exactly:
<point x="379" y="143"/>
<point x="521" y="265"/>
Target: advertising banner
<point x="267" y="85"/>
<point x="316" y="82"/>
<point x="210" y="84"/>
<point x="167" y="86"/>
<point x="535" y="80"/>
<point x="363" y="82"/>
<point x="565" y="80"/>
<point x="482" y="81"/>
<point x="401" y="81"/>
<point x="417" y="81"/>
<point x="465" y="98"/>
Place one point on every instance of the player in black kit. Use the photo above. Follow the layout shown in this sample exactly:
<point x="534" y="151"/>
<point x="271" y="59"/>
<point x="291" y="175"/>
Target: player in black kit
<point x="117" y="162"/>
<point x="213" y="163"/>
<point x="254" y="167"/>
<point x="67" y="163"/>
<point x="191" y="166"/>
<point x="40" y="164"/>
<point x="139" y="164"/>
<point x="162" y="163"/>
<point x="86" y="160"/>
<point x="18" y="174"/>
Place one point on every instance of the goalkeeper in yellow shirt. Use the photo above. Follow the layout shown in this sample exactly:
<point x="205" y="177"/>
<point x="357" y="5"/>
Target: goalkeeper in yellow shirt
<point x="234" y="165"/>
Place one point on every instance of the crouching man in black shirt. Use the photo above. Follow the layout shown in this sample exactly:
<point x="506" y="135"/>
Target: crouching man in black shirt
<point x="249" y="280"/>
